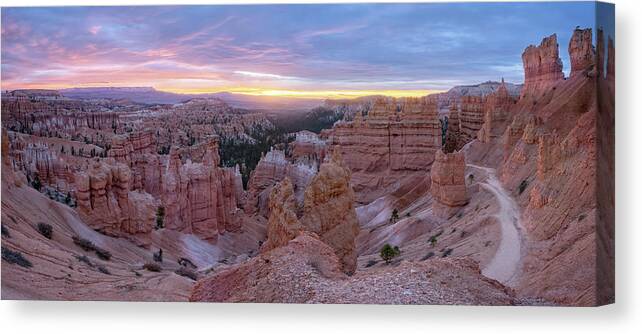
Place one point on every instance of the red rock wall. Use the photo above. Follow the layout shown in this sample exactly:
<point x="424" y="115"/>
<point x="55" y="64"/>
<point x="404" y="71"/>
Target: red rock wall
<point x="471" y="116"/>
<point x="581" y="52"/>
<point x="200" y="198"/>
<point x="448" y="183"/>
<point x="496" y="112"/>
<point x="106" y="203"/>
<point x="542" y="66"/>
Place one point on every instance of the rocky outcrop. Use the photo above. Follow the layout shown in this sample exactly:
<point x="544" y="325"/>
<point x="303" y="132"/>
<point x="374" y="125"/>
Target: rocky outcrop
<point x="106" y="203"/>
<point x="542" y="66"/>
<point x="200" y="198"/>
<point x="128" y="148"/>
<point x="453" y="117"/>
<point x="283" y="224"/>
<point x="552" y="163"/>
<point x="581" y="52"/>
<point x="307" y="148"/>
<point x="307" y="271"/>
<point x="330" y="213"/>
<point x="390" y="140"/>
<point x="305" y="260"/>
<point x="471" y="116"/>
<point x="548" y="154"/>
<point x="496" y="112"/>
<point x="455" y="94"/>
<point x="388" y="144"/>
<point x="448" y="183"/>
<point x="610" y="61"/>
<point x="272" y="169"/>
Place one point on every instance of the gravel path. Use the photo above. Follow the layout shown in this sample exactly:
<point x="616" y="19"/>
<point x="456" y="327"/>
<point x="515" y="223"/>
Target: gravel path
<point x="504" y="265"/>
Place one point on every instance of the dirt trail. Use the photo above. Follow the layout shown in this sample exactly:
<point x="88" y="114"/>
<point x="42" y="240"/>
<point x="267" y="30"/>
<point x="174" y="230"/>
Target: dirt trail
<point x="505" y="264"/>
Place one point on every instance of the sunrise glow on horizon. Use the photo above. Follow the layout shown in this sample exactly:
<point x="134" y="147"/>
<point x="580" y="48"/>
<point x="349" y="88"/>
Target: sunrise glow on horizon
<point x="314" y="51"/>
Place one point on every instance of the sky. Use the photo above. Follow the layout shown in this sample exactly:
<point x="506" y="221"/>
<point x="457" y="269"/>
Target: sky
<point x="281" y="50"/>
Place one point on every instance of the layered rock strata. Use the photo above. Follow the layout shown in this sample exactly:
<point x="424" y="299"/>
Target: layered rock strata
<point x="448" y="183"/>
<point x="200" y="198"/>
<point x="283" y="224"/>
<point x="307" y="148"/>
<point x="390" y="143"/>
<point x="107" y="205"/>
<point x="471" y="116"/>
<point x="272" y="169"/>
<point x="496" y="112"/>
<point x="581" y="52"/>
<point x="328" y="211"/>
<point x="542" y="66"/>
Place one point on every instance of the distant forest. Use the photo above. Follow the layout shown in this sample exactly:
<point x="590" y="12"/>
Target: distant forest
<point x="247" y="154"/>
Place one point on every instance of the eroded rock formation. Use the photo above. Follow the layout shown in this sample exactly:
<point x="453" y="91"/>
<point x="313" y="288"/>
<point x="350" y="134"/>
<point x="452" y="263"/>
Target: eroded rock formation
<point x="496" y="112"/>
<point x="306" y="270"/>
<point x="307" y="148"/>
<point x="328" y="211"/>
<point x="283" y="224"/>
<point x="272" y="169"/>
<point x="471" y="116"/>
<point x="448" y="183"/>
<point x="389" y="143"/>
<point x="200" y="198"/>
<point x="542" y="66"/>
<point x="107" y="205"/>
<point x="581" y="52"/>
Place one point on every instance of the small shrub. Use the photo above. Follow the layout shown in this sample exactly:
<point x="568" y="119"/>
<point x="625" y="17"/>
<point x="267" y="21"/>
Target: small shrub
<point x="433" y="241"/>
<point x="462" y="234"/>
<point x="185" y="272"/>
<point x="371" y="263"/>
<point x="103" y="254"/>
<point x="84" y="259"/>
<point x="158" y="256"/>
<point x="447" y="252"/>
<point x="522" y="186"/>
<point x="185" y="262"/>
<point x="581" y="217"/>
<point x="160" y="217"/>
<point x="395" y="216"/>
<point x="45" y="229"/>
<point x="388" y="252"/>
<point x="15" y="257"/>
<point x="5" y="232"/>
<point x="471" y="178"/>
<point x="151" y="266"/>
<point x="84" y="243"/>
<point x="103" y="270"/>
<point x="35" y="183"/>
<point x="427" y="256"/>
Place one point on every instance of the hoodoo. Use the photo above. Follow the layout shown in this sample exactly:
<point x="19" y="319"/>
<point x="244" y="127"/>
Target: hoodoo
<point x="542" y="66"/>
<point x="448" y="183"/>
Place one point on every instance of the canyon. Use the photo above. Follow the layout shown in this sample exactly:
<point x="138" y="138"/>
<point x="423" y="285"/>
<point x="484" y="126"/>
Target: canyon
<point x="484" y="194"/>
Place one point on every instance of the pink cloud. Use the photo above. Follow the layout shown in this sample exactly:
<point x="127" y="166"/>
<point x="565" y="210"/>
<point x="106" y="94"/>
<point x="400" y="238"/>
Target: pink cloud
<point x="94" y="30"/>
